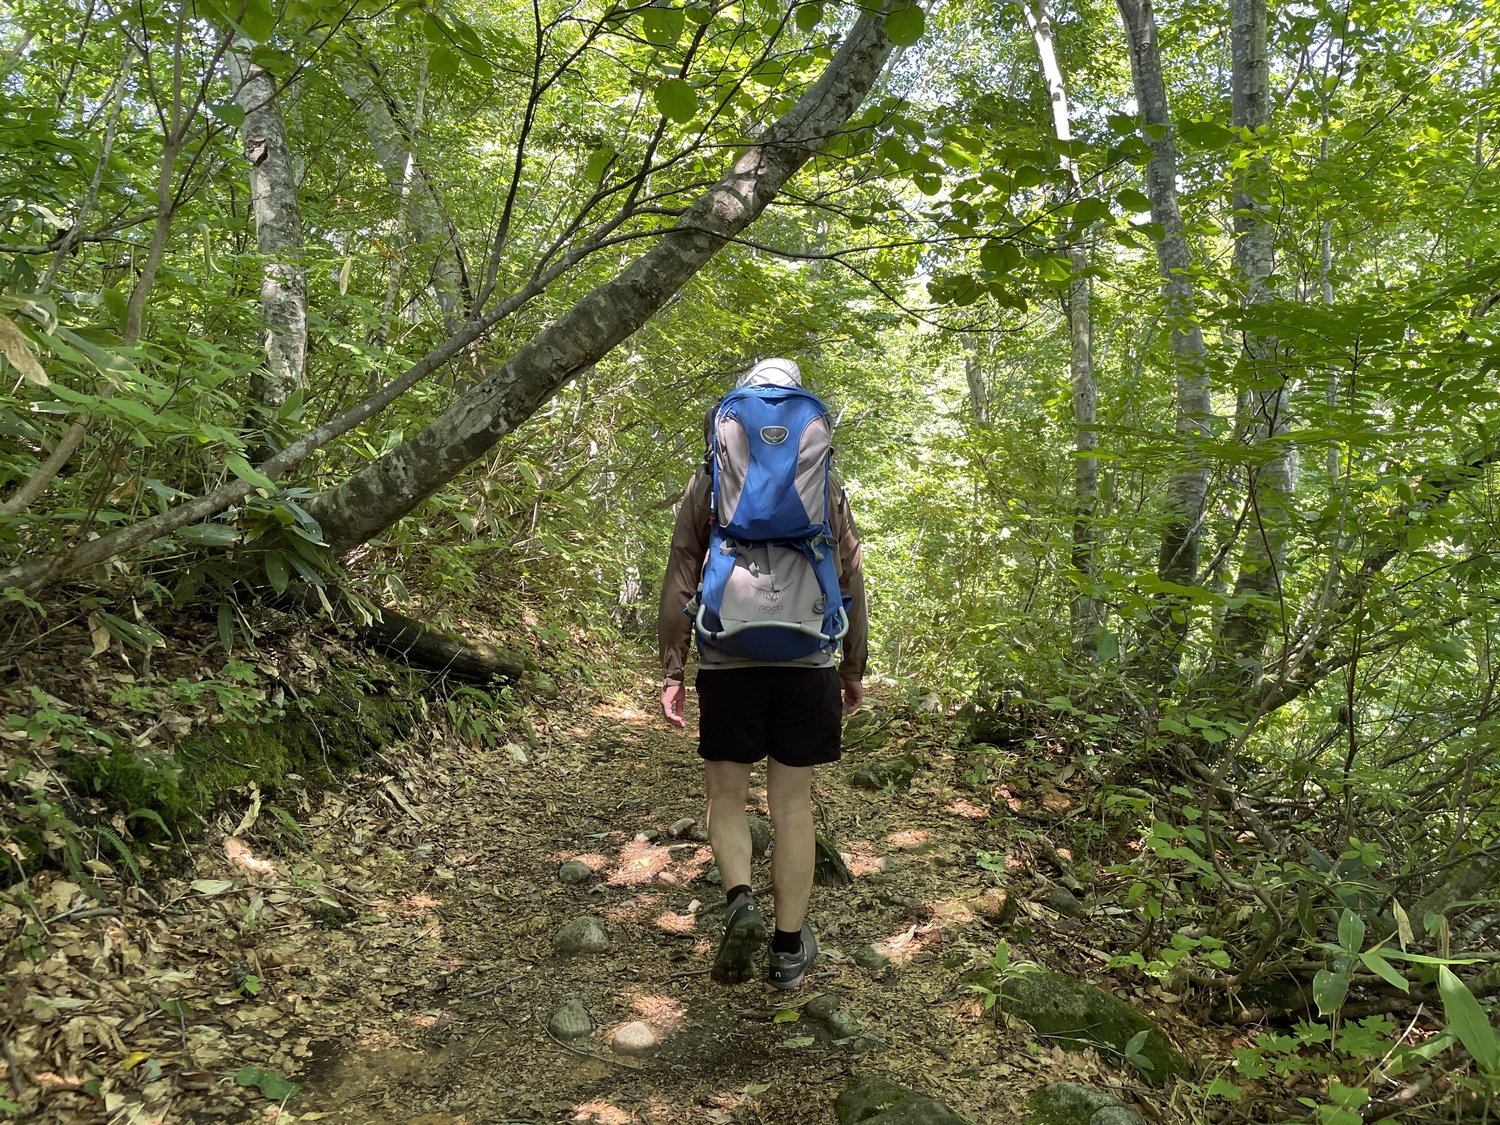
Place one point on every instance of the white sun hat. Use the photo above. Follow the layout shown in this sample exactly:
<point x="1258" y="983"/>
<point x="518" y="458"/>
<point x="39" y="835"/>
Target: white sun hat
<point x="772" y="373"/>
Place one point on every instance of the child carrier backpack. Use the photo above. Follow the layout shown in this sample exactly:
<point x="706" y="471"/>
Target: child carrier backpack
<point x="770" y="588"/>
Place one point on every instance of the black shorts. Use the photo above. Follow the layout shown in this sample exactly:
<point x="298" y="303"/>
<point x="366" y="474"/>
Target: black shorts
<point x="792" y="714"/>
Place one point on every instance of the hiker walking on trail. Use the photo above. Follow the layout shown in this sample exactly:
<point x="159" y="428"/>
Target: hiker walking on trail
<point x="765" y="571"/>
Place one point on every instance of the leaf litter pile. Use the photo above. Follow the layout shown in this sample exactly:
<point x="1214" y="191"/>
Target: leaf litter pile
<point x="394" y="960"/>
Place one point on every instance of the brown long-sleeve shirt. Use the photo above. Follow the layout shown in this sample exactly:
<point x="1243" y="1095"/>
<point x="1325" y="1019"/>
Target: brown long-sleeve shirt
<point x="685" y="568"/>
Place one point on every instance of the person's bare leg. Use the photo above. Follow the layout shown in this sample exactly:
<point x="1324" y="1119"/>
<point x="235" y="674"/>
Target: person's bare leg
<point x="789" y="794"/>
<point x="728" y="784"/>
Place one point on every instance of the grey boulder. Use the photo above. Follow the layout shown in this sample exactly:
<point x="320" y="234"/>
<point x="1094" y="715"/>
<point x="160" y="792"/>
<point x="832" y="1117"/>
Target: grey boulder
<point x="879" y="1101"/>
<point x="582" y="935"/>
<point x="571" y="1021"/>
<point x="1067" y="1103"/>
<point x="1078" y="1016"/>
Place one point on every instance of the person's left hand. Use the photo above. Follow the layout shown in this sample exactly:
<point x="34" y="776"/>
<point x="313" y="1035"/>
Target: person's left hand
<point x="854" y="695"/>
<point x="672" y="697"/>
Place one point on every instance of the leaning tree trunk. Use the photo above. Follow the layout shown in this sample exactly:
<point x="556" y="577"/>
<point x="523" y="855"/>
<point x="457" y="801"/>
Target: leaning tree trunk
<point x="1188" y="483"/>
<point x="1247" y="627"/>
<point x="396" y="483"/>
<point x="278" y="229"/>
<point x="399" y="481"/>
<point x="1084" y="611"/>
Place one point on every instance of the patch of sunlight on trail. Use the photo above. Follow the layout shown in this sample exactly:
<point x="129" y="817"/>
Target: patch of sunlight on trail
<point x="621" y="711"/>
<point x="664" y="1014"/>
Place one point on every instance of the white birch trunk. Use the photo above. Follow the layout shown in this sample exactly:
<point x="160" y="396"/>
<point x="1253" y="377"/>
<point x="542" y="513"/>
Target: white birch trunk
<point x="1084" y="610"/>
<point x="1247" y="627"/>
<point x="1188" y="483"/>
<point x="278" y="229"/>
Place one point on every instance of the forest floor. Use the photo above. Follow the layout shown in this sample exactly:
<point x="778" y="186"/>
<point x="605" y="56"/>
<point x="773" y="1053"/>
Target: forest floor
<point x="399" y="966"/>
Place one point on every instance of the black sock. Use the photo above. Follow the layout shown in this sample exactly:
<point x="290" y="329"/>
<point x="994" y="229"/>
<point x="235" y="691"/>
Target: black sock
<point x="735" y="892"/>
<point x="786" y="941"/>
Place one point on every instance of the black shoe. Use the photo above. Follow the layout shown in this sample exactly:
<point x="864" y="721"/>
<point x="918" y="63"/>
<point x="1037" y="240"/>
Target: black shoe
<point x="786" y="970"/>
<point x="744" y="933"/>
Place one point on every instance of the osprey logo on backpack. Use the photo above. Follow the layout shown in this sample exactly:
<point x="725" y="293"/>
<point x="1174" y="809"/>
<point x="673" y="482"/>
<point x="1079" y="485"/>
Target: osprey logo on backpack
<point x="770" y="450"/>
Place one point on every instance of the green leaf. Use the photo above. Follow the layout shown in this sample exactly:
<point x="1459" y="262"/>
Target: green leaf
<point x="1468" y="1021"/>
<point x="1351" y="932"/>
<point x="228" y="112"/>
<point x="1349" y="1097"/>
<point x="799" y="1041"/>
<point x="1329" y="990"/>
<point x="16" y="594"/>
<point x="259" y="21"/>
<point x="905" y="25"/>
<point x="242" y="469"/>
<point x="1385" y="970"/>
<point x="676" y="100"/>
<point x="1224" y="1088"/>
<point x="226" y="626"/>
<point x="663" y="26"/>
<point x="1307" y="917"/>
<point x="140" y="637"/>
<point x="1424" y="959"/>
<point x="209" y="534"/>
<point x="786" y="1015"/>
<point x="599" y="161"/>
<point x="443" y="60"/>
<point x="271" y="1084"/>
<point x="1205" y="134"/>
<point x="1090" y="210"/>
<point x="276" y="571"/>
<point x="1132" y="200"/>
<point x="808" y="17"/>
<point x="149" y="814"/>
<point x="1000" y="257"/>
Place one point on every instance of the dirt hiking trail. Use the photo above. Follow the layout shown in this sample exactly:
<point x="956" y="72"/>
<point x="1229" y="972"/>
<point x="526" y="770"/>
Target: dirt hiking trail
<point x="399" y="965"/>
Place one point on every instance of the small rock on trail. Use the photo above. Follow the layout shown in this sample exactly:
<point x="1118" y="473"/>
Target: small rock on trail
<point x="582" y="935"/>
<point x="821" y="1007"/>
<point x="635" y="1039"/>
<point x="760" y="836"/>
<point x="571" y="1021"/>
<point x="842" y="1024"/>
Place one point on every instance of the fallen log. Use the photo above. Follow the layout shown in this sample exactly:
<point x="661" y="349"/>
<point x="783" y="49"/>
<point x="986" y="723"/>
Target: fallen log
<point x="415" y="643"/>
<point x="420" y="646"/>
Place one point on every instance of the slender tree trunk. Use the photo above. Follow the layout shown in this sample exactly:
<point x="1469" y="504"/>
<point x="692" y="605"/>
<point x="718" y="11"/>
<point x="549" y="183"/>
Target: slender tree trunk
<point x="278" y="230"/>
<point x="979" y="388"/>
<point x="135" y="309"/>
<point x="116" y="101"/>
<point x="396" y="483"/>
<point x="1086" y="615"/>
<point x="1084" y="610"/>
<point x="393" y="134"/>
<point x="73" y="437"/>
<point x="1188" y="482"/>
<point x="1248" y="626"/>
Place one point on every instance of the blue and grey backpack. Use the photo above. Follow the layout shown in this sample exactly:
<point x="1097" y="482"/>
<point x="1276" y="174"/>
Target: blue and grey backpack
<point x="770" y="588"/>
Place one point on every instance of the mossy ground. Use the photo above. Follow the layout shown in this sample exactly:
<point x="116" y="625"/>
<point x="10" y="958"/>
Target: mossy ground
<point x="312" y="741"/>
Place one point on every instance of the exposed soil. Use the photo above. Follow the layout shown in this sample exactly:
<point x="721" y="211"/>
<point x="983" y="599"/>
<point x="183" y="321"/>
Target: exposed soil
<point x="399" y="967"/>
